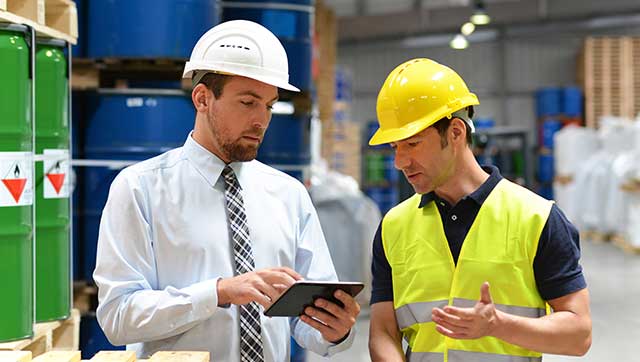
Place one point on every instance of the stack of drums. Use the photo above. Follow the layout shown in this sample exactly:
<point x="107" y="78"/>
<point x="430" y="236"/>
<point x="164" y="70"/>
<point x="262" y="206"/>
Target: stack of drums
<point x="16" y="186"/>
<point x="147" y="28"/>
<point x="126" y="125"/>
<point x="286" y="145"/>
<point x="53" y="212"/>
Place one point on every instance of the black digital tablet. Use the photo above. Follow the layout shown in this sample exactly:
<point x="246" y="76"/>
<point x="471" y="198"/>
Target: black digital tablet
<point x="303" y="293"/>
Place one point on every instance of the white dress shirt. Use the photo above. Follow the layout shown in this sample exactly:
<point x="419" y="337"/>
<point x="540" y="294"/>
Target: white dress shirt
<point x="164" y="243"/>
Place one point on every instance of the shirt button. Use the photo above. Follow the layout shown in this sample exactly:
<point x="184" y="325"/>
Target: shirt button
<point x="442" y="204"/>
<point x="454" y="217"/>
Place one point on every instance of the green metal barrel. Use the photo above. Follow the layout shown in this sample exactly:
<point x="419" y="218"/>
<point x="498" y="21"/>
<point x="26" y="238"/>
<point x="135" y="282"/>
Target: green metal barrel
<point x="16" y="186"/>
<point x="53" y="213"/>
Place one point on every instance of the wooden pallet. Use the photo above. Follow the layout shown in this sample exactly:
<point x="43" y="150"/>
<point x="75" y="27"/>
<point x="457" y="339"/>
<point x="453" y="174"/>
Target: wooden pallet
<point x="632" y="186"/>
<point x="625" y="245"/>
<point x="50" y="18"/>
<point x="595" y="236"/>
<point x="50" y="336"/>
<point x="635" y="72"/>
<point x="117" y="72"/>
<point x="607" y="78"/>
<point x="104" y="356"/>
<point x="85" y="297"/>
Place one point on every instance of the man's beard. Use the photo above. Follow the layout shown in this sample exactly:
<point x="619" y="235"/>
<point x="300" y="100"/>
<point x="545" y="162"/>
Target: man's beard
<point x="239" y="153"/>
<point x="234" y="150"/>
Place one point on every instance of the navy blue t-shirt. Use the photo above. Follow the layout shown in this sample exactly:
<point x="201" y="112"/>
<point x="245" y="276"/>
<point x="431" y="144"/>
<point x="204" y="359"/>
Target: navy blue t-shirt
<point x="556" y="266"/>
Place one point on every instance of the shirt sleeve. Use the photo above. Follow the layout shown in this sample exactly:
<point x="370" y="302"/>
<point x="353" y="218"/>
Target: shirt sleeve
<point x="381" y="284"/>
<point x="313" y="262"/>
<point x="557" y="263"/>
<point x="130" y="310"/>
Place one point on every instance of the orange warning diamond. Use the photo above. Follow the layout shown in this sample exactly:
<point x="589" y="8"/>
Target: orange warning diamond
<point x="15" y="187"/>
<point x="57" y="180"/>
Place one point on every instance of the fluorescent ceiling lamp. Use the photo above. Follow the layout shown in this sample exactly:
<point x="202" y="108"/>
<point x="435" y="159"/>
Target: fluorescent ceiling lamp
<point x="467" y="28"/>
<point x="480" y="18"/>
<point x="283" y="108"/>
<point x="459" y="42"/>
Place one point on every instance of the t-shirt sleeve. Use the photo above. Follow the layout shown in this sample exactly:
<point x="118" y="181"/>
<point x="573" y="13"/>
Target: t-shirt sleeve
<point x="557" y="266"/>
<point x="381" y="284"/>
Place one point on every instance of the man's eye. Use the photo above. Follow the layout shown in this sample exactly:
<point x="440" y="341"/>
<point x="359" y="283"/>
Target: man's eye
<point x="413" y="144"/>
<point x="249" y="103"/>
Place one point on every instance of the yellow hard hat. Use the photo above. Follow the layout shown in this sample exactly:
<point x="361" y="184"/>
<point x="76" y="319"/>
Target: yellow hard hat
<point x="417" y="94"/>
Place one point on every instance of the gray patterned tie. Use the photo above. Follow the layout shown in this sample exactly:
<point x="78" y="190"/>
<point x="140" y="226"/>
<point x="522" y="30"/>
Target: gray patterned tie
<point x="250" y="338"/>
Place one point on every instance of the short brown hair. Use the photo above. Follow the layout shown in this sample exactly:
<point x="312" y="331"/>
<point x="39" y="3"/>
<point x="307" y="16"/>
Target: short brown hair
<point x="443" y="125"/>
<point x="215" y="82"/>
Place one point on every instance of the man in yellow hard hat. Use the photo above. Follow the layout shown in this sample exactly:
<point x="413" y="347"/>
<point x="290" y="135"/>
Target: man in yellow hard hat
<point x="467" y="268"/>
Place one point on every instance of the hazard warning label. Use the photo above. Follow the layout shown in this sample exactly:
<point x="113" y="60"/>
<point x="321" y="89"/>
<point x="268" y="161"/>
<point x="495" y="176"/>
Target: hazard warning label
<point x="16" y="176"/>
<point x="56" y="173"/>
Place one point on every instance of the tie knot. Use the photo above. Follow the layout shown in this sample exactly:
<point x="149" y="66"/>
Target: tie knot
<point x="230" y="178"/>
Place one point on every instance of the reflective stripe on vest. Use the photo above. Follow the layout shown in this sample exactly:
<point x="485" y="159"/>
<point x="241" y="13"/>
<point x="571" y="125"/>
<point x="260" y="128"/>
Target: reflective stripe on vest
<point x="412" y="313"/>
<point x="464" y="356"/>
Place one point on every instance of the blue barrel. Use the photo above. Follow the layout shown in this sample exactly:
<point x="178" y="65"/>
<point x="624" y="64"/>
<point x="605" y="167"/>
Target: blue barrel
<point x="79" y="50"/>
<point x="291" y="21"/>
<point x="545" y="168"/>
<point x="298" y="354"/>
<point x="548" y="102"/>
<point x="148" y="28"/>
<point x="572" y="102"/>
<point x="286" y="144"/>
<point x="372" y="127"/>
<point x="391" y="173"/>
<point x="344" y="85"/>
<point x="384" y="197"/>
<point x="484" y="123"/>
<point x="126" y="125"/>
<point x="92" y="338"/>
<point x="546" y="191"/>
<point x="549" y="128"/>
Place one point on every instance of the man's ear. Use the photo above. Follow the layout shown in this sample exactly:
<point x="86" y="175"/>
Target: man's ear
<point x="200" y="97"/>
<point x="458" y="130"/>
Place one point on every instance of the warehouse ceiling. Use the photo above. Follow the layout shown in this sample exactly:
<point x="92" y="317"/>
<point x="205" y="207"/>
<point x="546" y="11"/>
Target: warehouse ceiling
<point x="366" y="20"/>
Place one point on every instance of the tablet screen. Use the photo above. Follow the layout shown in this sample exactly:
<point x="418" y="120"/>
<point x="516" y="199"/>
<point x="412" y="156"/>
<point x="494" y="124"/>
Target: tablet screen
<point x="303" y="293"/>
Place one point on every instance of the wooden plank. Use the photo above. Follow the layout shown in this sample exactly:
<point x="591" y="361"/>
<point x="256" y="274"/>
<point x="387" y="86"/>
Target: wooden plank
<point x="67" y="336"/>
<point x="3" y="4"/>
<point x="41" y="29"/>
<point x="15" y="356"/>
<point x="62" y="15"/>
<point x="114" y="356"/>
<point x="626" y="246"/>
<point x="28" y="9"/>
<point x="180" y="356"/>
<point x="59" y="356"/>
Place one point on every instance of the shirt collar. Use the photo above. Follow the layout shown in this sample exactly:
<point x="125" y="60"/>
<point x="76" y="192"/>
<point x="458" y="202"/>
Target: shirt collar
<point x="479" y="195"/>
<point x="207" y="163"/>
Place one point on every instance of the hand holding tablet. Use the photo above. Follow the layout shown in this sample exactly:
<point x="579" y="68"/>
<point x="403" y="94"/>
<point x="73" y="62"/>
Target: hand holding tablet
<point x="303" y="293"/>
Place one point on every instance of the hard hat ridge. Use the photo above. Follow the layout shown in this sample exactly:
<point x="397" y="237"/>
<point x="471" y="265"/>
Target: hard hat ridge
<point x="244" y="48"/>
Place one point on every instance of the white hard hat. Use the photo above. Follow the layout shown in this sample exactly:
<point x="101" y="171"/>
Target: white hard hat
<point x="244" y="48"/>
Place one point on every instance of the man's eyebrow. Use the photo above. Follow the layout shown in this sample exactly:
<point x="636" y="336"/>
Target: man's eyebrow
<point x="256" y="95"/>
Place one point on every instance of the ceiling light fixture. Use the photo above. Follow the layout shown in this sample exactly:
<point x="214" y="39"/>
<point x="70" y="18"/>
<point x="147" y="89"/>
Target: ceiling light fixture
<point x="459" y="42"/>
<point x="480" y="16"/>
<point x="467" y="28"/>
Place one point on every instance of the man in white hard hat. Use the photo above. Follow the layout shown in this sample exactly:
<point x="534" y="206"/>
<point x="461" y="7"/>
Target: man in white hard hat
<point x="196" y="242"/>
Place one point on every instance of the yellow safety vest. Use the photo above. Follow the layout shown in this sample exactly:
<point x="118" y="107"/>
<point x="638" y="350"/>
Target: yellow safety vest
<point x="499" y="248"/>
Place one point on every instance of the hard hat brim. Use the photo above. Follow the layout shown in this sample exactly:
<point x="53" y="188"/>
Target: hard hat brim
<point x="188" y="73"/>
<point x="400" y="133"/>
